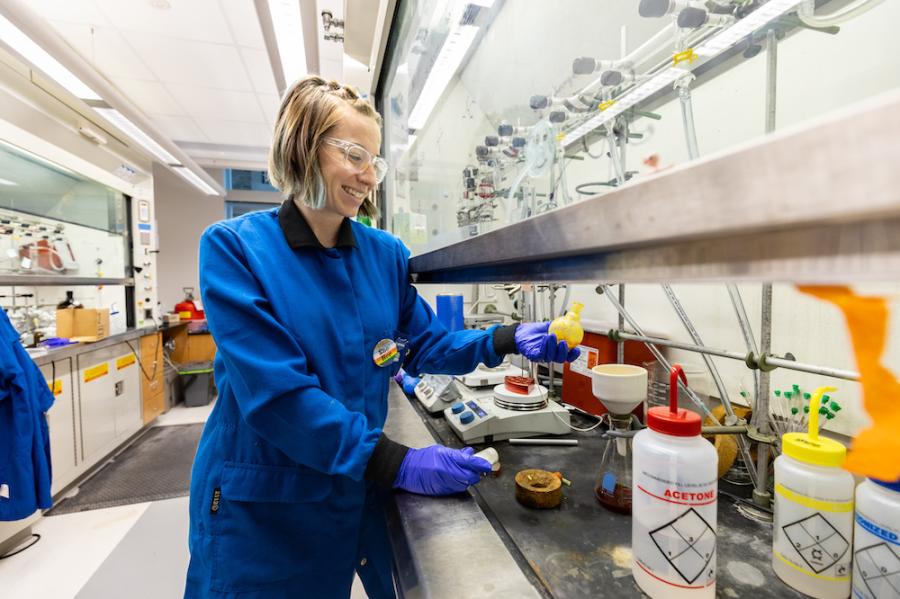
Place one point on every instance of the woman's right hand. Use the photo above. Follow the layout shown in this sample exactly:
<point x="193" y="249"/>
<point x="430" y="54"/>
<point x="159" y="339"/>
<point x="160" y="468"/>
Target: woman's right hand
<point x="439" y="470"/>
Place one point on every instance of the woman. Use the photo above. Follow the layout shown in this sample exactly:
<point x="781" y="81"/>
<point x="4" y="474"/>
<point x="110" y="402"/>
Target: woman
<point x="307" y="308"/>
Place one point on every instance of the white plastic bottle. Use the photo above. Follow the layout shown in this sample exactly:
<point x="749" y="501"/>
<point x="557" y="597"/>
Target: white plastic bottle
<point x="812" y="534"/>
<point x="876" y="540"/>
<point x="674" y="502"/>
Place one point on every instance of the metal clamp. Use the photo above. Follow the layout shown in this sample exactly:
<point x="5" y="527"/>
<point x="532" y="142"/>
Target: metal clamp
<point x="759" y="437"/>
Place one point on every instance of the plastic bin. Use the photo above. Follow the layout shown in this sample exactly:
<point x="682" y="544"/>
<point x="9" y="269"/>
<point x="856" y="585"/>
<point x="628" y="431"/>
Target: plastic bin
<point x="197" y="383"/>
<point x="174" y="393"/>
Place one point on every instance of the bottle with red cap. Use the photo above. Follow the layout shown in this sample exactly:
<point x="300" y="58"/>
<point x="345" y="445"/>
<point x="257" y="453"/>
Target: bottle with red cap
<point x="674" y="502"/>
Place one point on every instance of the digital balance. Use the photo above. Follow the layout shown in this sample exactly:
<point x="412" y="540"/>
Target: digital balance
<point x="516" y="408"/>
<point x="436" y="392"/>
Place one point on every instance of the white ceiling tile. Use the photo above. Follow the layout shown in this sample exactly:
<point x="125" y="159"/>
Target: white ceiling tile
<point x="179" y="128"/>
<point x="194" y="63"/>
<point x="260" y="70"/>
<point x="104" y="48"/>
<point x="150" y="96"/>
<point x="70" y="11"/>
<point x="270" y="105"/>
<point x="217" y="104"/>
<point x="236" y="133"/>
<point x="244" y="22"/>
<point x="199" y="20"/>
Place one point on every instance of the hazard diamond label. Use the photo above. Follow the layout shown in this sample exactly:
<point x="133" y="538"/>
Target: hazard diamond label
<point x="879" y="569"/>
<point x="817" y="541"/>
<point x="688" y="543"/>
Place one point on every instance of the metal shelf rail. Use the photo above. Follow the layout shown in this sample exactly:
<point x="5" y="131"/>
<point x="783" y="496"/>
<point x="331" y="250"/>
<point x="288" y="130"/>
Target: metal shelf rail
<point x="60" y="280"/>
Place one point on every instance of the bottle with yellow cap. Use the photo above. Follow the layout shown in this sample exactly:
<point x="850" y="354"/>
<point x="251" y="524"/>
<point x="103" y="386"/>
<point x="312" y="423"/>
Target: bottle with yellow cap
<point x="813" y="530"/>
<point x="568" y="328"/>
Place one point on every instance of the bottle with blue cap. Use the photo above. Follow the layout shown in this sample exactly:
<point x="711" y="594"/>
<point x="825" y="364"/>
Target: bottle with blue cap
<point x="812" y="534"/>
<point x="876" y="540"/>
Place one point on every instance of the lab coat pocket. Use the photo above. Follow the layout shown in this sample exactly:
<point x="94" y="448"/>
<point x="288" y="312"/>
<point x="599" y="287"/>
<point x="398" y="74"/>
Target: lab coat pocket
<point x="263" y="519"/>
<point x="273" y="484"/>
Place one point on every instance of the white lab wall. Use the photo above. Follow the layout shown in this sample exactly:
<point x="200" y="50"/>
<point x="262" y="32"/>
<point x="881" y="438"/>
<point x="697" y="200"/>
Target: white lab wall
<point x="184" y="213"/>
<point x="817" y="73"/>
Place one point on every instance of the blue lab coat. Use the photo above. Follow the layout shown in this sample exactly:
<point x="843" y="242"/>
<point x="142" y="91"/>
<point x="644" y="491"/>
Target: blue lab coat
<point x="279" y="504"/>
<point x="24" y="436"/>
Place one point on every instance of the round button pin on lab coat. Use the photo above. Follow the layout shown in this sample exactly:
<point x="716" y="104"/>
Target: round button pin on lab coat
<point x="385" y="352"/>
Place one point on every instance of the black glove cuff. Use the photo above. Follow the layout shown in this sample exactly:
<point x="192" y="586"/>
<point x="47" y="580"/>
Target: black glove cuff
<point x="505" y="340"/>
<point x="384" y="464"/>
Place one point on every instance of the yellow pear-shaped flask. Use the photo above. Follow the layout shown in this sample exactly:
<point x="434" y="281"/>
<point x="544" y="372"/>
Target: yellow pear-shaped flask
<point x="568" y="328"/>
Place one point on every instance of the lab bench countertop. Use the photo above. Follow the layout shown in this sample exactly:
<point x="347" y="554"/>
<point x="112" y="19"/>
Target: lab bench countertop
<point x="69" y="351"/>
<point x="474" y="544"/>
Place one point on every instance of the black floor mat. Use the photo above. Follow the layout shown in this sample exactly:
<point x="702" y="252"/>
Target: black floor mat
<point x="157" y="466"/>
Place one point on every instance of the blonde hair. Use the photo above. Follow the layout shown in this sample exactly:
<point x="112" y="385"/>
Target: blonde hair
<point x="308" y="111"/>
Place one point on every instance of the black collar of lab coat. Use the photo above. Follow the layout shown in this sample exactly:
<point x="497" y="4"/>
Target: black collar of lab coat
<point x="300" y="235"/>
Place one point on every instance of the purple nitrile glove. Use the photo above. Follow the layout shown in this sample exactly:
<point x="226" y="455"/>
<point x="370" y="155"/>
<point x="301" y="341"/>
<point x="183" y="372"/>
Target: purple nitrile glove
<point x="409" y="384"/>
<point x="535" y="343"/>
<point x="439" y="470"/>
<point x="398" y="378"/>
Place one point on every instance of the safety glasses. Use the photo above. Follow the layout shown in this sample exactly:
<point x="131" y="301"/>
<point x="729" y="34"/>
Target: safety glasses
<point x="359" y="158"/>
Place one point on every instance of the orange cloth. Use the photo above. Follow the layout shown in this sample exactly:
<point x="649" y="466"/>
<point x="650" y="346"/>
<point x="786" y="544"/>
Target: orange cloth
<point x="876" y="450"/>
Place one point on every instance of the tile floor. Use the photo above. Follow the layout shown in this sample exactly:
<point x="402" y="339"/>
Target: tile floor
<point x="94" y="554"/>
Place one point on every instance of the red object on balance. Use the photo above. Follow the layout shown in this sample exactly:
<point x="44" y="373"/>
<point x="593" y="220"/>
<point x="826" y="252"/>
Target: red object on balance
<point x="519" y="384"/>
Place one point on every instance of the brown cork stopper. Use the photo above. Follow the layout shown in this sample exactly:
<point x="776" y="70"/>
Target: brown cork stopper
<point x="538" y="489"/>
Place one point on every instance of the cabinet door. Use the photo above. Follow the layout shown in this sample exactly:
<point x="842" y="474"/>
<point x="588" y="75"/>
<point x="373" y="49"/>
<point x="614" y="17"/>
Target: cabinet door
<point x="96" y="384"/>
<point x="61" y="421"/>
<point x="152" y="387"/>
<point x="126" y="392"/>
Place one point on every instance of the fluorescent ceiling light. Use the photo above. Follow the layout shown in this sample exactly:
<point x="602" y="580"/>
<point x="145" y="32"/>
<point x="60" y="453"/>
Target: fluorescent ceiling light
<point x="134" y="132"/>
<point x="8" y="182"/>
<point x="482" y="3"/>
<point x="37" y="56"/>
<point x="741" y="29"/>
<point x="191" y="177"/>
<point x="288" y="27"/>
<point x="451" y="55"/>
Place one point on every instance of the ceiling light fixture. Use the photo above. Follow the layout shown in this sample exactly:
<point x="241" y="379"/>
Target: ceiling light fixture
<point x="137" y="134"/>
<point x="8" y="182"/>
<point x="38" y="57"/>
<point x="288" y="27"/>
<point x="192" y="178"/>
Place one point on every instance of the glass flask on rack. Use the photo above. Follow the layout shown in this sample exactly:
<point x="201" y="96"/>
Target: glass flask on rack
<point x="613" y="487"/>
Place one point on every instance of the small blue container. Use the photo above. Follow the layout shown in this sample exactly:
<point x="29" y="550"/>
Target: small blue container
<point x="450" y="311"/>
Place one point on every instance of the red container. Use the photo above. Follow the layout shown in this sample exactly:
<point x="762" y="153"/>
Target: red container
<point x="187" y="309"/>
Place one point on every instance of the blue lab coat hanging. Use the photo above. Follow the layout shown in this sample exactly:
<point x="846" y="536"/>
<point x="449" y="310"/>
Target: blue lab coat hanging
<point x="279" y="503"/>
<point x="24" y="437"/>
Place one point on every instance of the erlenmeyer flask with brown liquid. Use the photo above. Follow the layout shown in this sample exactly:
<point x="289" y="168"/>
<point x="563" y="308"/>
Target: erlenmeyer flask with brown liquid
<point x="613" y="487"/>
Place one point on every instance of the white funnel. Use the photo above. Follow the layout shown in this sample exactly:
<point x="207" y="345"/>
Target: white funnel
<point x="621" y="387"/>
